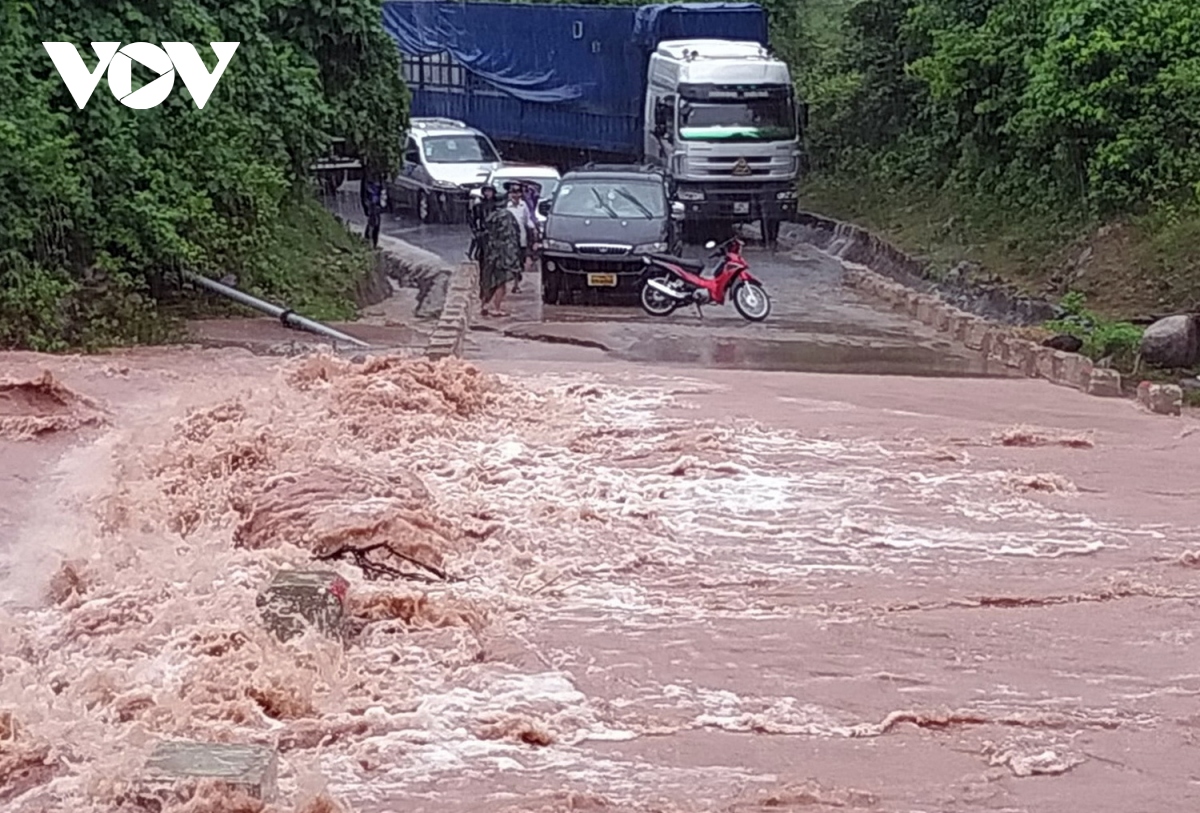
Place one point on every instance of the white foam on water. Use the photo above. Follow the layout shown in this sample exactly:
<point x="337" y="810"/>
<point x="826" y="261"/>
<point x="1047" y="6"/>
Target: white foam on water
<point x="598" y="509"/>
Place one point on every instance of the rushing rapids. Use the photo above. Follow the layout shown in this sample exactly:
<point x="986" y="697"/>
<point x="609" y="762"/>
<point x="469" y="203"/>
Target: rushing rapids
<point x="568" y="591"/>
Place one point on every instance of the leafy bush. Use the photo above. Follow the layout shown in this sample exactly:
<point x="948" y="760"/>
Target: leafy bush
<point x="1101" y="339"/>
<point x="99" y="208"/>
<point x="1068" y="107"/>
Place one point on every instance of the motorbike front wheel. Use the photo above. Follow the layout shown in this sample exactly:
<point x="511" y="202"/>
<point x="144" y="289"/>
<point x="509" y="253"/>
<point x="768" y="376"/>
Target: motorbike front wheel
<point x="751" y="301"/>
<point x="654" y="301"/>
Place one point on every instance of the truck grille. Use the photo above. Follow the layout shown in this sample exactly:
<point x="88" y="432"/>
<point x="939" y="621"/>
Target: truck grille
<point x="747" y="167"/>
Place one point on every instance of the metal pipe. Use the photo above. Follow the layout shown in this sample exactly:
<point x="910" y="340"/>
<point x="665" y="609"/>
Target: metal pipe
<point x="286" y="316"/>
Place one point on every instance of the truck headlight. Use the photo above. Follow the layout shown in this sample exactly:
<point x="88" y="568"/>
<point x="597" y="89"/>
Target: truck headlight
<point x="557" y="245"/>
<point x="689" y="194"/>
<point x="787" y="194"/>
<point x="650" y="248"/>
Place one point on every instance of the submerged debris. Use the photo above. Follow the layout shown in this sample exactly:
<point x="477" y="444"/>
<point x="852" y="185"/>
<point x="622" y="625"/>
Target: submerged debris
<point x="1029" y="437"/>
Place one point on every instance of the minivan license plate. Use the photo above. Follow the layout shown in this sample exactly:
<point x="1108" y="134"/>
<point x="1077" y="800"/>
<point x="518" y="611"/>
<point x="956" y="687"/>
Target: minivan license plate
<point x="741" y="208"/>
<point x="602" y="280"/>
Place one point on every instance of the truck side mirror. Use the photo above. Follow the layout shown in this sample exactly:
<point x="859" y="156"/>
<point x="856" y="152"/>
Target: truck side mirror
<point x="677" y="210"/>
<point x="543" y="207"/>
<point x="802" y="117"/>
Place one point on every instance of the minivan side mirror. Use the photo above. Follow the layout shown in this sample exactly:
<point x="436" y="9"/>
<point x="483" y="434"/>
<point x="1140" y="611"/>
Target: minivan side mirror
<point x="543" y="207"/>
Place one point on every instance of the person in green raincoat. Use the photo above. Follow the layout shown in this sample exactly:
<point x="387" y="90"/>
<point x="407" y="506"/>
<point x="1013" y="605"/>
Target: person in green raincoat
<point x="502" y="260"/>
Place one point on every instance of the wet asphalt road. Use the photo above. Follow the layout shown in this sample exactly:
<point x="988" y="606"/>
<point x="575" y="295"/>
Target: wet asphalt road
<point x="816" y="324"/>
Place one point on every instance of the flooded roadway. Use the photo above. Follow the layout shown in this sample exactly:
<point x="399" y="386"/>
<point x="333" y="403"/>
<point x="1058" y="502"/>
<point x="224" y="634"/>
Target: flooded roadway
<point x="816" y="324"/>
<point x="677" y="588"/>
<point x="704" y="592"/>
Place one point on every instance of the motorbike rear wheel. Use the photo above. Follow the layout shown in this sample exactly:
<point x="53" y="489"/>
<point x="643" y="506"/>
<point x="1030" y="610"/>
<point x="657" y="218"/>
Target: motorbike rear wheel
<point x="655" y="302"/>
<point x="751" y="301"/>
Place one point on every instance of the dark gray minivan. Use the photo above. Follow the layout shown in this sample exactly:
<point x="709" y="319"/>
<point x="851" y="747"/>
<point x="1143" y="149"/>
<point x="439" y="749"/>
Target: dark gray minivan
<point x="600" y="224"/>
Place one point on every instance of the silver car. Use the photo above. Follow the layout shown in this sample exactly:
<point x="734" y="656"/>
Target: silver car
<point x="444" y="160"/>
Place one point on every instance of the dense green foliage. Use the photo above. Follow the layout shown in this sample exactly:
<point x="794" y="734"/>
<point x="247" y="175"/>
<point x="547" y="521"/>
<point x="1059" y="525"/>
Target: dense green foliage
<point x="1061" y="107"/>
<point x="1118" y="341"/>
<point x="99" y="207"/>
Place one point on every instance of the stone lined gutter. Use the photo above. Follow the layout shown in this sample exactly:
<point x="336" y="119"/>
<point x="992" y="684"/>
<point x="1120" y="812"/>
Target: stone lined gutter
<point x="461" y="295"/>
<point x="878" y="269"/>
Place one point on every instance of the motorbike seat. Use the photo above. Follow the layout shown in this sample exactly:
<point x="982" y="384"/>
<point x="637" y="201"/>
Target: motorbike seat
<point x="695" y="266"/>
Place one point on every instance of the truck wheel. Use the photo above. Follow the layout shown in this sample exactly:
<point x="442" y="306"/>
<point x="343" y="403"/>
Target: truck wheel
<point x="551" y="287"/>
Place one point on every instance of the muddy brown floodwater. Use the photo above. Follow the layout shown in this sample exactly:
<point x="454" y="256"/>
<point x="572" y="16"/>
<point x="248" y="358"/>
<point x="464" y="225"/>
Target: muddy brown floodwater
<point x="676" y="592"/>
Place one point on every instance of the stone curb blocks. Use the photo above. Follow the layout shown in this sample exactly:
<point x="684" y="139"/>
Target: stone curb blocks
<point x="252" y="769"/>
<point x="852" y="244"/>
<point x="927" y="309"/>
<point x="1162" y="399"/>
<point x="1077" y="371"/>
<point x="1023" y="356"/>
<point x="1105" y="383"/>
<point x="977" y="336"/>
<point x="447" y="338"/>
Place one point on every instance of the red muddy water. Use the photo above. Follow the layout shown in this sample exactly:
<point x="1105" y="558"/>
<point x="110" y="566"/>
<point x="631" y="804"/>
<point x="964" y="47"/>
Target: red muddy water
<point x="692" y="590"/>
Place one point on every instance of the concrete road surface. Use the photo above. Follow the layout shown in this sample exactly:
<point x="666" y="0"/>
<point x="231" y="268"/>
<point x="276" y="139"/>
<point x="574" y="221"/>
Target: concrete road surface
<point x="816" y="324"/>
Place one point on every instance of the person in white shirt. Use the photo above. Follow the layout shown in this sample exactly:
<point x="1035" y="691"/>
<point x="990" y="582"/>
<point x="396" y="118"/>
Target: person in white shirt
<point x="517" y="208"/>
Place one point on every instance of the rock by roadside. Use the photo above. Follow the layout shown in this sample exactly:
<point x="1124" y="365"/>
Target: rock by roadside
<point x="1172" y="342"/>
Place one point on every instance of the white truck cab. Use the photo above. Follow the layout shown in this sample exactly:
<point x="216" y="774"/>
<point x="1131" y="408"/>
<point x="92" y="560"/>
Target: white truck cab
<point x="721" y="118"/>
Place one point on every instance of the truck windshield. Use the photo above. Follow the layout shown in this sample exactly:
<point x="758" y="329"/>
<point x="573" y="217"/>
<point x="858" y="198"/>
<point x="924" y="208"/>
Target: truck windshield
<point x="611" y="199"/>
<point x="465" y="149"/>
<point x="749" y="120"/>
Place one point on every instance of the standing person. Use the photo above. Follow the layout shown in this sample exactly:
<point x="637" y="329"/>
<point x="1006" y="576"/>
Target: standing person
<point x="502" y="257"/>
<point x="520" y="212"/>
<point x="371" y="193"/>
<point x="479" y="215"/>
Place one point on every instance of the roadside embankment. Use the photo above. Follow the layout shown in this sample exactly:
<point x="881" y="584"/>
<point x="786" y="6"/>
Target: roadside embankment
<point x="988" y="321"/>
<point x="400" y="300"/>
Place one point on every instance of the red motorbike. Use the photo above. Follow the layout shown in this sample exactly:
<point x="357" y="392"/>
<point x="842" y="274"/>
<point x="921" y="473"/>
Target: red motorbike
<point x="672" y="282"/>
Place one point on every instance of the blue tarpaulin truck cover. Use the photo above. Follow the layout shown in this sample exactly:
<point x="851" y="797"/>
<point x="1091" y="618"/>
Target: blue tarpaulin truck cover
<point x="559" y="75"/>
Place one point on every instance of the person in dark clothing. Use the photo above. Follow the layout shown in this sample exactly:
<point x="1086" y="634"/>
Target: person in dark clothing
<point x="518" y="207"/>
<point x="487" y="204"/>
<point x="501" y="261"/>
<point x="372" y="202"/>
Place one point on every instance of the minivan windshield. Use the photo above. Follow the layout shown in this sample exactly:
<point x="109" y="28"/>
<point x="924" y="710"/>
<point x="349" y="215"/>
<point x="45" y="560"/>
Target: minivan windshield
<point x="612" y="199"/>
<point x="458" y="149"/>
